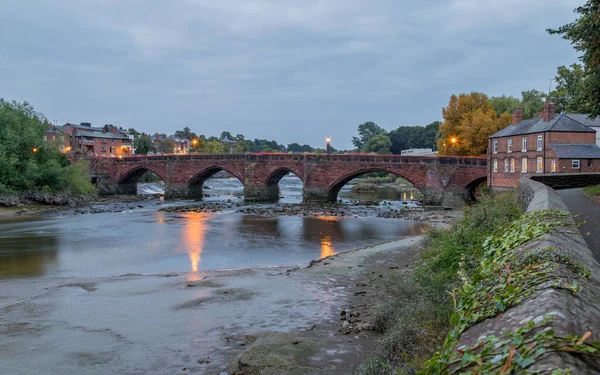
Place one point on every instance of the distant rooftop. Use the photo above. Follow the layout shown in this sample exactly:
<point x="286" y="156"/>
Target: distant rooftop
<point x="576" y="151"/>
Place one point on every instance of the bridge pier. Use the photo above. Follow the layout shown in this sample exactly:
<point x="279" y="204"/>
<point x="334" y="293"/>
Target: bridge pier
<point x="178" y="191"/>
<point x="317" y="195"/>
<point x="257" y="193"/>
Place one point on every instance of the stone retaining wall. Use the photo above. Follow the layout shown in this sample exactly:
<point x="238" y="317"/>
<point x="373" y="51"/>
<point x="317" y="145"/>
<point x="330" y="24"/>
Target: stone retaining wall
<point x="573" y="313"/>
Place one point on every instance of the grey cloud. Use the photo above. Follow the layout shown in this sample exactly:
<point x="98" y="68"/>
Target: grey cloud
<point x="289" y="70"/>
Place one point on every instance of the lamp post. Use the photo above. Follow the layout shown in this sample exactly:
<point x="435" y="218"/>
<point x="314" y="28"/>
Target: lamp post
<point x="453" y="141"/>
<point x="328" y="139"/>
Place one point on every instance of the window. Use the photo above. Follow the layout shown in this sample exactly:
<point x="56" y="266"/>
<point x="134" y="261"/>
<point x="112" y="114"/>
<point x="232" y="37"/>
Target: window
<point x="590" y="163"/>
<point x="505" y="165"/>
<point x="509" y="145"/>
<point x="540" y="165"/>
<point x="576" y="164"/>
<point x="524" y="144"/>
<point x="62" y="147"/>
<point x="495" y="147"/>
<point x="523" y="165"/>
<point x="553" y="166"/>
<point x="512" y="164"/>
<point x="62" y="138"/>
<point x="539" y="144"/>
<point x="495" y="165"/>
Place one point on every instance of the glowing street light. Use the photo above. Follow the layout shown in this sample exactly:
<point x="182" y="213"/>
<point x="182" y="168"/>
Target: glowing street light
<point x="453" y="141"/>
<point x="35" y="149"/>
<point x="328" y="139"/>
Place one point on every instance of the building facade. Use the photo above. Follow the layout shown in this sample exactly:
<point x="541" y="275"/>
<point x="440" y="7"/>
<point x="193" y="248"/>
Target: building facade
<point x="55" y="136"/>
<point x="550" y="143"/>
<point x="93" y="141"/>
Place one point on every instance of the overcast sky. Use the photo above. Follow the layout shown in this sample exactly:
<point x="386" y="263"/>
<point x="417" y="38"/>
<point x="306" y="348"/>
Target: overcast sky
<point x="293" y="71"/>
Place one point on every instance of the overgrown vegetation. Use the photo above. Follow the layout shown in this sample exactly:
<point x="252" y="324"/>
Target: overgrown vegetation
<point x="415" y="317"/>
<point x="27" y="162"/>
<point x="592" y="191"/>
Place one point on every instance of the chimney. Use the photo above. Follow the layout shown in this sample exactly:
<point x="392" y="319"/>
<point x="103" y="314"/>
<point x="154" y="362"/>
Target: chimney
<point x="548" y="113"/>
<point x="517" y="116"/>
<point x="85" y="124"/>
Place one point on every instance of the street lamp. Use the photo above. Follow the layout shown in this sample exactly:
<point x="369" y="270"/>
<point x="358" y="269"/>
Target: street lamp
<point x="453" y="141"/>
<point x="35" y="149"/>
<point x="328" y="139"/>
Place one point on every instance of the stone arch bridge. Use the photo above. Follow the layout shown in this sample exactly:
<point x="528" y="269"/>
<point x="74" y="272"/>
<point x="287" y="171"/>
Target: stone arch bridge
<point x="322" y="175"/>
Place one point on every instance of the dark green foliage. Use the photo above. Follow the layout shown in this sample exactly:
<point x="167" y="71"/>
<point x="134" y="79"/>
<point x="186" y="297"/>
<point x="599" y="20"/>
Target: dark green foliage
<point x="531" y="102"/>
<point x="379" y="144"/>
<point x="27" y="163"/>
<point x="415" y="316"/>
<point x="143" y="145"/>
<point x="405" y="137"/>
<point x="367" y="131"/>
<point x="295" y="147"/>
<point x="584" y="34"/>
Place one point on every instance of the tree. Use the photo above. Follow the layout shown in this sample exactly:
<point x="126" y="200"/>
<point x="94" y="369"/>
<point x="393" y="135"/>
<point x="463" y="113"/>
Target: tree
<point x="186" y="133"/>
<point x="27" y="163"/>
<point x="367" y="131"/>
<point x="133" y="132"/>
<point x="165" y="147"/>
<point x="380" y="144"/>
<point x="532" y="102"/>
<point x="471" y="119"/>
<point x="215" y="147"/>
<point x="227" y="134"/>
<point x="295" y="147"/>
<point x="107" y="127"/>
<point x="505" y="104"/>
<point x="584" y="34"/>
<point x="569" y="95"/>
<point x="143" y="145"/>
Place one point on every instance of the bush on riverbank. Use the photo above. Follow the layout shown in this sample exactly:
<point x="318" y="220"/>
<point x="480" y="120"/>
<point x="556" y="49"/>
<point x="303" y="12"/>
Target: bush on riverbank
<point x="30" y="164"/>
<point x="415" y="317"/>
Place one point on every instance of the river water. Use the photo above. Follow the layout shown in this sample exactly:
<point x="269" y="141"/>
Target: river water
<point x="147" y="241"/>
<point x="144" y="291"/>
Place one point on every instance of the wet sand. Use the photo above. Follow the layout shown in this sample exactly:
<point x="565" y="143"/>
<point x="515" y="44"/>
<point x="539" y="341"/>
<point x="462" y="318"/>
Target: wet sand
<point x="234" y="321"/>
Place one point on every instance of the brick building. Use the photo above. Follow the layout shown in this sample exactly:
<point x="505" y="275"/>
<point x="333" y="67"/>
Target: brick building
<point x="56" y="136"/>
<point x="97" y="142"/>
<point x="550" y="143"/>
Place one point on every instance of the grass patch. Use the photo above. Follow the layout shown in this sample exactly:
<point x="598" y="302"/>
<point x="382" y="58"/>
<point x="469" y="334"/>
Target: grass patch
<point x="364" y="187"/>
<point x="415" y="317"/>
<point x="592" y="191"/>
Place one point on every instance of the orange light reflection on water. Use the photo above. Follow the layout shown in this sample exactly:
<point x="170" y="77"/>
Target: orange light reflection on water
<point x="194" y="233"/>
<point x="326" y="247"/>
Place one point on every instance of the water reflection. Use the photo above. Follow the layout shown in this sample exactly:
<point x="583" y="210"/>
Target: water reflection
<point x="28" y="256"/>
<point x="194" y="232"/>
<point x="326" y="247"/>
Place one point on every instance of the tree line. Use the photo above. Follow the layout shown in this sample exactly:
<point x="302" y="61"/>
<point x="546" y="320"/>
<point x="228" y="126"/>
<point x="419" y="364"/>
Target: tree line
<point x="144" y="145"/>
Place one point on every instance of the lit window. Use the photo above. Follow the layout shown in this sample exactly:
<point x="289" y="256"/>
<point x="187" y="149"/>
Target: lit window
<point x="553" y="166"/>
<point x="495" y="165"/>
<point x="495" y="147"/>
<point x="523" y="165"/>
<point x="524" y="144"/>
<point x="512" y="164"/>
<point x="509" y="145"/>
<point x="505" y="165"/>
<point x="540" y="165"/>
<point x="576" y="164"/>
<point x="539" y="144"/>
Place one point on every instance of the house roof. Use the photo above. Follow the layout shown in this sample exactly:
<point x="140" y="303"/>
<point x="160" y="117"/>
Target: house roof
<point x="576" y="151"/>
<point x="97" y="134"/>
<point x="560" y="123"/>
<point x="226" y="139"/>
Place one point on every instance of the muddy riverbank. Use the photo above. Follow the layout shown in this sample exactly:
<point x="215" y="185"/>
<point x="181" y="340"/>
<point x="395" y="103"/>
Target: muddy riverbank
<point x="238" y="321"/>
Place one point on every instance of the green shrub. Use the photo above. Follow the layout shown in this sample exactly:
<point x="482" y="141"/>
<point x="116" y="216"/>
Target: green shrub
<point x="415" y="316"/>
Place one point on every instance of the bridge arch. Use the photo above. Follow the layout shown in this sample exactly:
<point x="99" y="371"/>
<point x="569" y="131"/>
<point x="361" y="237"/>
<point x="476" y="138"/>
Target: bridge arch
<point x="194" y="185"/>
<point x="128" y="181"/>
<point x="334" y="189"/>
<point x="272" y="183"/>
<point x="472" y="187"/>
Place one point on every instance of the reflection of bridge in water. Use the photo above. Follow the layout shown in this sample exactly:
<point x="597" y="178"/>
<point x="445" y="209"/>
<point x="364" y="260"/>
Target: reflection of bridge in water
<point x="322" y="175"/>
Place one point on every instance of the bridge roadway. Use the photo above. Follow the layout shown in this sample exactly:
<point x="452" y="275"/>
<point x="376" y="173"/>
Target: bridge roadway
<point x="438" y="178"/>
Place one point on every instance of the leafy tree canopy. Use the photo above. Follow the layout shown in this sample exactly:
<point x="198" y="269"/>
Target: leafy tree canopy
<point x="380" y="144"/>
<point x="27" y="162"/>
<point x="470" y="119"/>
<point x="367" y="131"/>
<point x="143" y="145"/>
<point x="584" y="35"/>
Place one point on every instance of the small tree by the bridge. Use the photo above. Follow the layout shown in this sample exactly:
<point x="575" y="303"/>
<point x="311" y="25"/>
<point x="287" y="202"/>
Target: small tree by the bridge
<point x="143" y="145"/>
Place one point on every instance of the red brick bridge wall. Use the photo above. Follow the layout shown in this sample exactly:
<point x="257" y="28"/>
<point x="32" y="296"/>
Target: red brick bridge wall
<point x="322" y="175"/>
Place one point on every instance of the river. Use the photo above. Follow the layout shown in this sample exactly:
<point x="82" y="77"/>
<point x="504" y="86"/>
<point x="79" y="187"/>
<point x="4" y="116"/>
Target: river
<point x="144" y="291"/>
